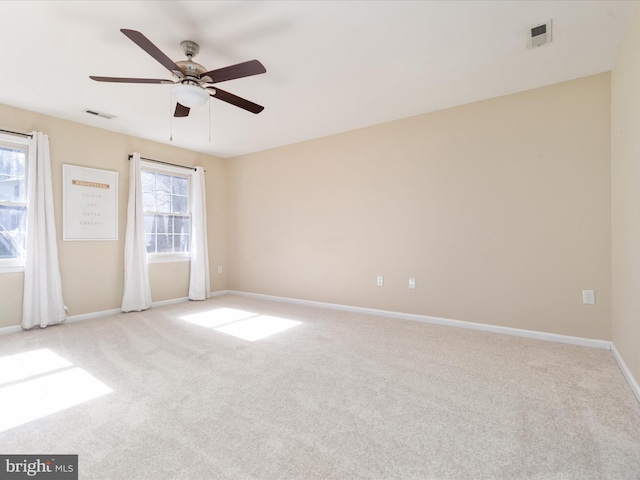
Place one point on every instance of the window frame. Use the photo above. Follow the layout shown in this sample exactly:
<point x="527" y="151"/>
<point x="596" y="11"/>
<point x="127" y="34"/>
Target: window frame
<point x="186" y="172"/>
<point x="12" y="265"/>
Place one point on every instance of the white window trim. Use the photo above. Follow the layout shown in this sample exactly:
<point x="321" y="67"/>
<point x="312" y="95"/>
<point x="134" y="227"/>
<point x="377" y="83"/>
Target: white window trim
<point x="9" y="267"/>
<point x="14" y="265"/>
<point x="168" y="257"/>
<point x="171" y="170"/>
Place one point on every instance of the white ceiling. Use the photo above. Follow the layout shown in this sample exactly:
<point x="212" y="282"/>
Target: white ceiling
<point x="332" y="66"/>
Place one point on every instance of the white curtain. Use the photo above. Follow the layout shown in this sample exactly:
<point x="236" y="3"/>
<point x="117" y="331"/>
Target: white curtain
<point x="42" y="303"/>
<point x="137" y="292"/>
<point x="199" y="281"/>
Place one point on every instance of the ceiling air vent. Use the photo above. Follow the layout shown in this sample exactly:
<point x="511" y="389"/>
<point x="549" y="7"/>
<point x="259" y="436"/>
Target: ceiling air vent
<point x="99" y="114"/>
<point x="538" y="35"/>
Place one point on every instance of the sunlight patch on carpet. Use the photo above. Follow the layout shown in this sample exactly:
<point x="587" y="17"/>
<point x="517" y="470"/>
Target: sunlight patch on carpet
<point x="25" y="399"/>
<point x="27" y="364"/>
<point x="239" y="323"/>
<point x="257" y="328"/>
<point x="220" y="316"/>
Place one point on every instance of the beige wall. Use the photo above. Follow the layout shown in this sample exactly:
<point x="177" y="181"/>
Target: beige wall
<point x="625" y="182"/>
<point x="92" y="272"/>
<point x="500" y="209"/>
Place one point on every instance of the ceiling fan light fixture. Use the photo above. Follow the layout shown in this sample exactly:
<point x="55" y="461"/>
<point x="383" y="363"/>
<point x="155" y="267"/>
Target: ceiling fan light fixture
<point x="190" y="96"/>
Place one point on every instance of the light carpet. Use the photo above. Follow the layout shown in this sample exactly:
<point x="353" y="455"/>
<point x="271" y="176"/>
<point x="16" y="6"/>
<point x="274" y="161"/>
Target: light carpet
<point x="332" y="395"/>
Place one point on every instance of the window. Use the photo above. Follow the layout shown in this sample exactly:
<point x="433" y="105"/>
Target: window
<point x="167" y="220"/>
<point x="13" y="202"/>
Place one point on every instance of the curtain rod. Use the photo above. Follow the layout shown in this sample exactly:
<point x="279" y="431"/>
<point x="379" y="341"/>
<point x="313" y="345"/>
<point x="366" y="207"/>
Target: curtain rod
<point x="16" y="133"/>
<point x="160" y="161"/>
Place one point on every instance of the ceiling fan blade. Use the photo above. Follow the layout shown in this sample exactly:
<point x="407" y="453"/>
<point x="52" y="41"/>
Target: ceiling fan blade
<point x="235" y="100"/>
<point x="245" y="69"/>
<point x="129" y="80"/>
<point x="181" y="110"/>
<point x="145" y="44"/>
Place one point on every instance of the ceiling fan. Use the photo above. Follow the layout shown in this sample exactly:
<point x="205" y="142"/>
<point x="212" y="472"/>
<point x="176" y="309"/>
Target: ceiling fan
<point x="190" y="86"/>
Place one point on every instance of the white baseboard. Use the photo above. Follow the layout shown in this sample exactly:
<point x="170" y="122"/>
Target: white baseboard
<point x="550" y="337"/>
<point x="635" y="388"/>
<point x="169" y="302"/>
<point x="116" y="311"/>
<point x="11" y="329"/>
<point x="88" y="316"/>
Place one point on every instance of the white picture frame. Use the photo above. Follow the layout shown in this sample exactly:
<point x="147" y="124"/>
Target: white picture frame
<point x="90" y="203"/>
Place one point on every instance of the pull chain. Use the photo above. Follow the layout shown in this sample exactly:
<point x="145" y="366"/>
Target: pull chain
<point x="170" y="119"/>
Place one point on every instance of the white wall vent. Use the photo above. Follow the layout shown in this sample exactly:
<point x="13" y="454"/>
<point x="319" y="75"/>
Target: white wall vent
<point x="99" y="114"/>
<point x="538" y="35"/>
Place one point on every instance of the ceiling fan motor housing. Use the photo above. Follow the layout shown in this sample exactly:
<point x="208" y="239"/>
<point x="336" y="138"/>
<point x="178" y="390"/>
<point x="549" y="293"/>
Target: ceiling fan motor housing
<point x="192" y="70"/>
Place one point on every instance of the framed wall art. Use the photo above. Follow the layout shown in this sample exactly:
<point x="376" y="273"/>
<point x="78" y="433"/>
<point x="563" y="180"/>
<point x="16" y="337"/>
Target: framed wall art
<point x="90" y="203"/>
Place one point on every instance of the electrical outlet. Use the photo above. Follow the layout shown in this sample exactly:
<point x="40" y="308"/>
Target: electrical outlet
<point x="380" y="280"/>
<point x="220" y="269"/>
<point x="588" y="297"/>
<point x="412" y="283"/>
